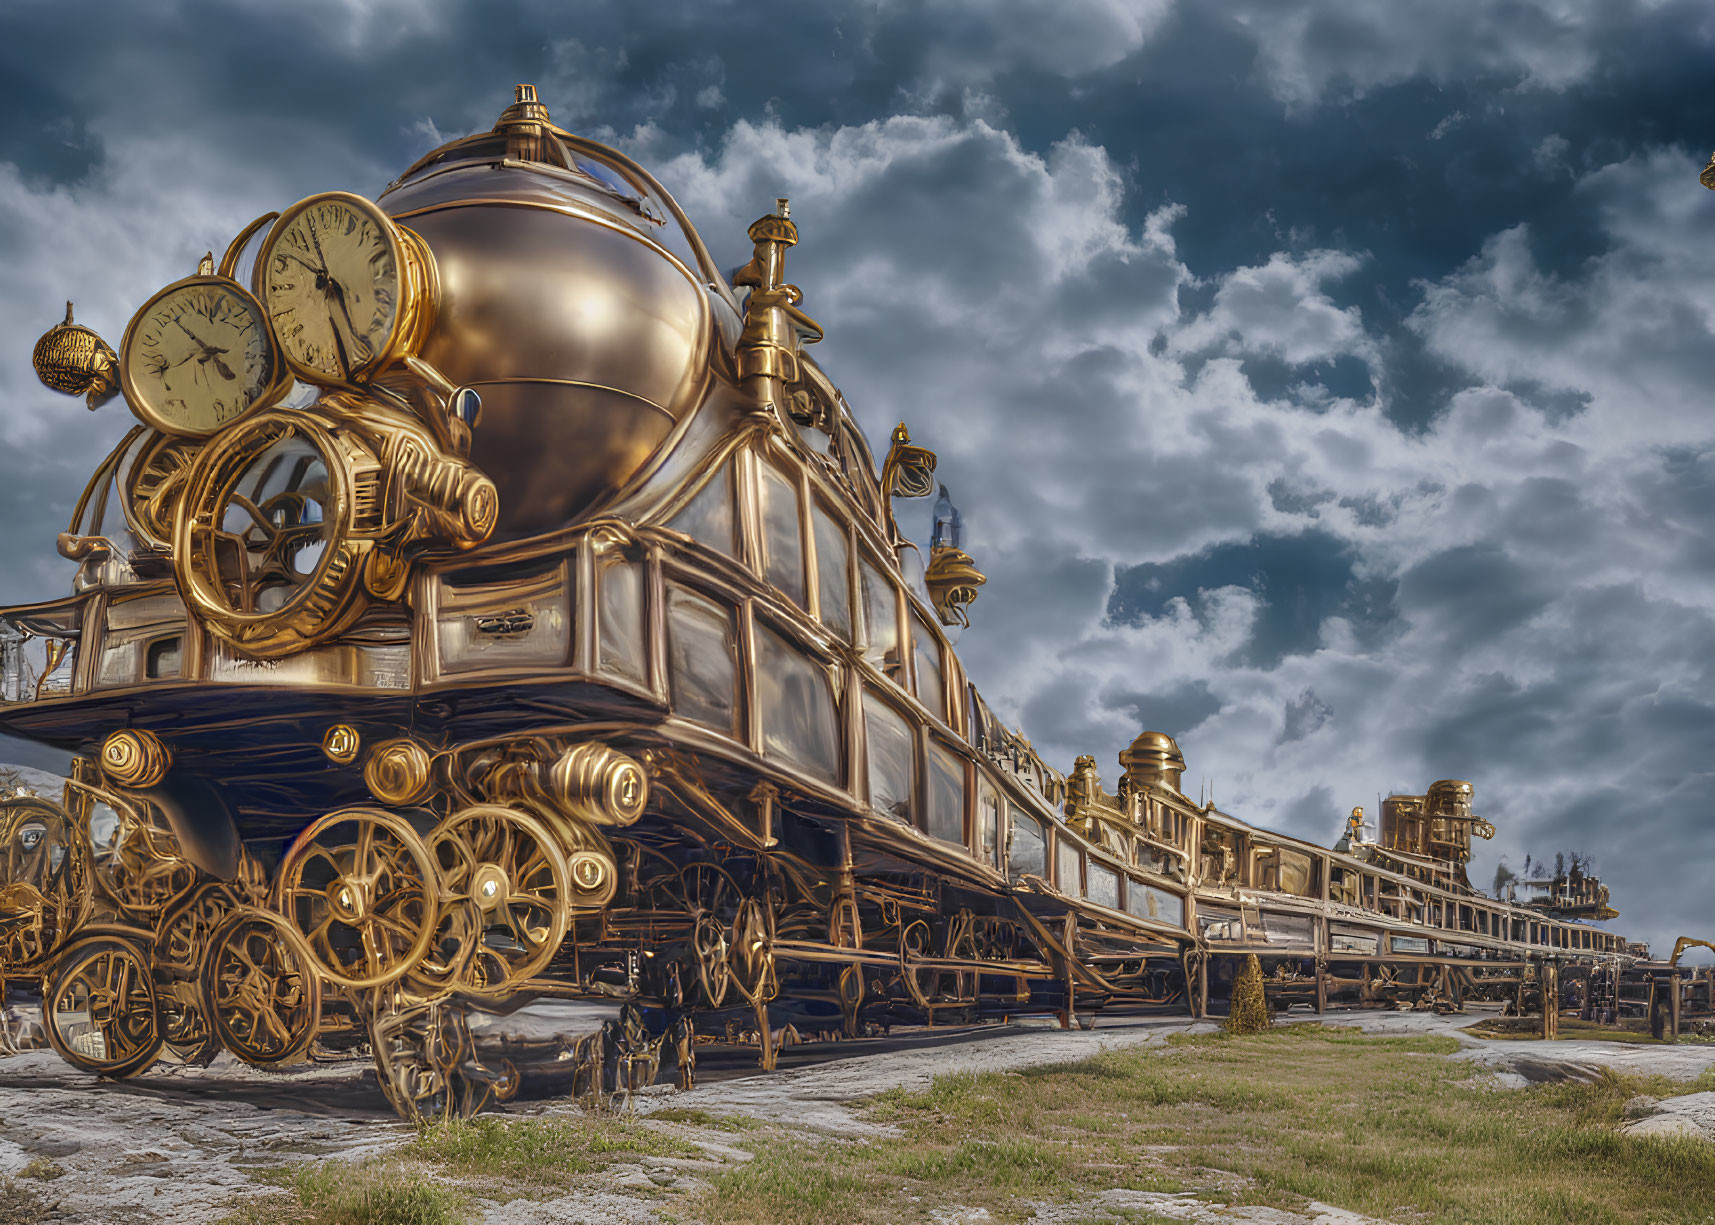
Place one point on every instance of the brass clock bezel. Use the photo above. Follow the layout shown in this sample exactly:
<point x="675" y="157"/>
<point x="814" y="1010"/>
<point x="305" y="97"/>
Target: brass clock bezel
<point x="418" y="295"/>
<point x="280" y="375"/>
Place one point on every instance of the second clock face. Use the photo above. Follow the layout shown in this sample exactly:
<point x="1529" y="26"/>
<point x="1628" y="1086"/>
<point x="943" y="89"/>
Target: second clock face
<point x="330" y="278"/>
<point x="197" y="357"/>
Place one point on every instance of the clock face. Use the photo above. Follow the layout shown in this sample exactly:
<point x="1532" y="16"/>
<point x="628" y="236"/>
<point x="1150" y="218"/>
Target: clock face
<point x="198" y="356"/>
<point x="330" y="278"/>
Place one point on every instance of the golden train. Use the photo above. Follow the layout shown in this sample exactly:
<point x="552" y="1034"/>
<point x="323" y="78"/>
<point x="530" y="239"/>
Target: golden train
<point x="494" y="603"/>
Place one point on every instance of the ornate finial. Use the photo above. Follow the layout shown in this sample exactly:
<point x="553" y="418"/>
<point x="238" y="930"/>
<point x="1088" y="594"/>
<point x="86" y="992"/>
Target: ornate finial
<point x="909" y="470"/>
<point x="205" y="265"/>
<point x="72" y="359"/>
<point x="526" y="124"/>
<point x="1707" y="178"/>
<point x="774" y="328"/>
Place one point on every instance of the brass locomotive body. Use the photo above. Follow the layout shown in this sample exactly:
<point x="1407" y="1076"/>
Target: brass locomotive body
<point x="573" y="650"/>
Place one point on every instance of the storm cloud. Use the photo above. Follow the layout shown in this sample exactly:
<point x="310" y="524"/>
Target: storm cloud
<point x="1323" y="382"/>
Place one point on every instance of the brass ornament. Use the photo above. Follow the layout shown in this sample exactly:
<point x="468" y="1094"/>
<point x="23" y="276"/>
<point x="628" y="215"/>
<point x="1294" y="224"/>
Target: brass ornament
<point x="72" y="359"/>
<point x="909" y="470"/>
<point x="341" y="744"/>
<point x="348" y="289"/>
<point x="397" y="773"/>
<point x="282" y="513"/>
<point x="152" y="484"/>
<point x="261" y="988"/>
<point x="591" y="782"/>
<point x="952" y="579"/>
<point x="135" y="758"/>
<point x="774" y="328"/>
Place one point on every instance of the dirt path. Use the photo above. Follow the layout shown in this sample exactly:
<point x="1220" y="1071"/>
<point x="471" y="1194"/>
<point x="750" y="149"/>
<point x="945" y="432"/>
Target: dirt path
<point x="176" y="1148"/>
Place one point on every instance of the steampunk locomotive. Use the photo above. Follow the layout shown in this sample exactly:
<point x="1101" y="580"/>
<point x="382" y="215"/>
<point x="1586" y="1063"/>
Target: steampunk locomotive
<point x="494" y="602"/>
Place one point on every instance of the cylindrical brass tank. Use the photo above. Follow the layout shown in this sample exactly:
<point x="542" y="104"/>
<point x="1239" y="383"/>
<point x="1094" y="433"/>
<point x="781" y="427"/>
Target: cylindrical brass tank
<point x="563" y="305"/>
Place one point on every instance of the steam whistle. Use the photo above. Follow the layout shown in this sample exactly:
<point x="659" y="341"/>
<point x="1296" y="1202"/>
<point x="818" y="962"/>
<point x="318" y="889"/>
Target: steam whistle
<point x="774" y="328"/>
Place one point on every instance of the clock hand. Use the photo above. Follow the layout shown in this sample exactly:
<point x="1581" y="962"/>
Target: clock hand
<point x="209" y="352"/>
<point x="338" y="293"/>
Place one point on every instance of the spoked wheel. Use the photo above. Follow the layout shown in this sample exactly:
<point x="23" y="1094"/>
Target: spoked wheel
<point x="263" y="995"/>
<point x="45" y="884"/>
<point x="709" y="948"/>
<point x="181" y="946"/>
<point x="851" y="990"/>
<point x="99" y="1009"/>
<point x="504" y="901"/>
<point x="358" y="884"/>
<point x="426" y="1061"/>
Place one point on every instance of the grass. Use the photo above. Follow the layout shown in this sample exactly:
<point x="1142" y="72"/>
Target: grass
<point x="42" y="1169"/>
<point x="20" y="1205"/>
<point x="539" y="1151"/>
<point x="426" y="1182"/>
<point x="1382" y="1126"/>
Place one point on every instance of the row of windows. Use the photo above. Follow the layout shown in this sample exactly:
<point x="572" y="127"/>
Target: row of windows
<point x="872" y="621"/>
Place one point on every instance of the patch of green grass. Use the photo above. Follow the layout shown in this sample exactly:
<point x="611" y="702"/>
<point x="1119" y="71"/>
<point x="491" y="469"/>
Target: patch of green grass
<point x="355" y="1193"/>
<point x="701" y="1118"/>
<point x="42" y="1169"/>
<point x="1379" y="1125"/>
<point x="20" y="1205"/>
<point x="536" y="1151"/>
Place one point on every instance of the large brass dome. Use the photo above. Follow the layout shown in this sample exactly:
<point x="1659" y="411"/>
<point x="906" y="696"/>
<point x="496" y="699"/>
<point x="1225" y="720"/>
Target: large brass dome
<point x="574" y="298"/>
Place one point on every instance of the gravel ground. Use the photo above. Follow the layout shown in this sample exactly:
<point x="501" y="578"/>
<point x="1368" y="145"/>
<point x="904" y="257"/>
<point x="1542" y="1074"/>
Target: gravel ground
<point x="176" y="1147"/>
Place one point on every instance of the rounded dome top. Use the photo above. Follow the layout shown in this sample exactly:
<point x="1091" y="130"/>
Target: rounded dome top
<point x="1153" y="757"/>
<point x="574" y="297"/>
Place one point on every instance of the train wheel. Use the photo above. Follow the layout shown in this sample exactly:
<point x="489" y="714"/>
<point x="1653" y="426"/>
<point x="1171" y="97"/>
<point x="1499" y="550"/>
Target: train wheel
<point x="851" y="999"/>
<point x="264" y="998"/>
<point x="45" y="884"/>
<point x="426" y="1062"/>
<point x="504" y="898"/>
<point x="709" y="947"/>
<point x="181" y="946"/>
<point x="99" y="1009"/>
<point x="359" y="886"/>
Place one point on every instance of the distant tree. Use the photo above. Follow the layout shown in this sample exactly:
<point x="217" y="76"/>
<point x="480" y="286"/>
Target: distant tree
<point x="1559" y="864"/>
<point x="1527" y="867"/>
<point x="1249" y="1012"/>
<point x="1504" y="876"/>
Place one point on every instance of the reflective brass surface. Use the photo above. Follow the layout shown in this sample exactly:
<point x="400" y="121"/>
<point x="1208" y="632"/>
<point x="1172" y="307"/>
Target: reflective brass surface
<point x="952" y="579"/>
<point x="135" y="758"/>
<point x="71" y="358"/>
<point x="1153" y="757"/>
<point x="397" y="773"/>
<point x="341" y="744"/>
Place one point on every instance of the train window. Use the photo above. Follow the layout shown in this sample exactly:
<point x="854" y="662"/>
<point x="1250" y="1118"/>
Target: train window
<point x="1220" y="925"/>
<point x="1343" y="939"/>
<point x="619" y="586"/>
<point x="833" y="572"/>
<point x="946" y="796"/>
<point x="1027" y="850"/>
<point x="523" y="622"/>
<point x="1148" y="902"/>
<point x="782" y="536"/>
<point x="702" y="658"/>
<point x="1066" y="875"/>
<point x="708" y="517"/>
<point x="927" y="648"/>
<point x="892" y="748"/>
<point x="880" y="622"/>
<point x="1104" y="886"/>
<point x="1409" y="944"/>
<point x="796" y="706"/>
<point x="988" y="823"/>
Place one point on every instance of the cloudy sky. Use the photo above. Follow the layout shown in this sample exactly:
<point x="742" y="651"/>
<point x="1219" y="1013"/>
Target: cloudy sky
<point x="1324" y="382"/>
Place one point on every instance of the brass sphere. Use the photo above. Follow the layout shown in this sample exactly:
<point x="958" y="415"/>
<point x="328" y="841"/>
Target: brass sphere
<point x="135" y="758"/>
<point x="593" y="878"/>
<point x="71" y="358"/>
<point x="397" y="772"/>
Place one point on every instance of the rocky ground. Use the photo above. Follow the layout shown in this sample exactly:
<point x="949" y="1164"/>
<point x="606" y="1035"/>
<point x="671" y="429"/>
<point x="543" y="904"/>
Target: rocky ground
<point x="182" y="1147"/>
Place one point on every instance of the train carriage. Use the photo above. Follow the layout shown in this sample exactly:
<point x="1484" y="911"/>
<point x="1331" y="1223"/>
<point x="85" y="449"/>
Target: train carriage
<point x="527" y="617"/>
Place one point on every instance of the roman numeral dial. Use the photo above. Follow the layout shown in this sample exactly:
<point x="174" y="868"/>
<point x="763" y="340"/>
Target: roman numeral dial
<point x="344" y="288"/>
